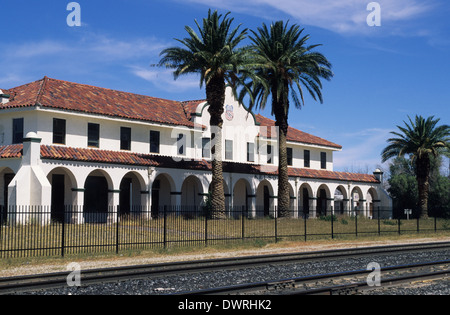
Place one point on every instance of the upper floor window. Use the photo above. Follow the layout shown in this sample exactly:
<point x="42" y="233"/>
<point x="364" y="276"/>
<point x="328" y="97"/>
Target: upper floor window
<point x="269" y="154"/>
<point x="206" y="147"/>
<point x="323" y="160"/>
<point x="93" y="135"/>
<point x="155" y="138"/>
<point x="181" y="144"/>
<point x="228" y="149"/>
<point x="17" y="131"/>
<point x="125" y="138"/>
<point x="307" y="158"/>
<point x="250" y="152"/>
<point x="289" y="156"/>
<point x="59" y="131"/>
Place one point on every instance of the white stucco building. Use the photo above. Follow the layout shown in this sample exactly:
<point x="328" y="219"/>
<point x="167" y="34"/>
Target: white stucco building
<point x="64" y="143"/>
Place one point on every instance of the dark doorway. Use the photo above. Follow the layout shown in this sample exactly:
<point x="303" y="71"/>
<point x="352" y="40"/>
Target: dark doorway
<point x="305" y="204"/>
<point x="125" y="195"/>
<point x="57" y="210"/>
<point x="4" y="210"/>
<point x="155" y="203"/>
<point x="96" y="199"/>
<point x="266" y="201"/>
<point x="322" y="203"/>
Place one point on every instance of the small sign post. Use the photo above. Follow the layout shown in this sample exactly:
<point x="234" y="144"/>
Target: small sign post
<point x="408" y="212"/>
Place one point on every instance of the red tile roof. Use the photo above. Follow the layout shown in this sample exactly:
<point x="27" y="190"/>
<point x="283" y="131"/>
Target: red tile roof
<point x="129" y="158"/>
<point x="11" y="151"/>
<point x="295" y="135"/>
<point x="190" y="107"/>
<point x="58" y="94"/>
<point x="65" y="95"/>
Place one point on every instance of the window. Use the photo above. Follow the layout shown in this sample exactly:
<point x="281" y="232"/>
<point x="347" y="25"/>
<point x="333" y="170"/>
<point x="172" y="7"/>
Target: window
<point x="125" y="138"/>
<point x="269" y="154"/>
<point x="250" y="152"/>
<point x="17" y="130"/>
<point x="154" y="141"/>
<point x="307" y="158"/>
<point x="93" y="135"/>
<point x="289" y="156"/>
<point x="228" y="149"/>
<point x="323" y="160"/>
<point x="59" y="131"/>
<point x="181" y="144"/>
<point x="206" y="147"/>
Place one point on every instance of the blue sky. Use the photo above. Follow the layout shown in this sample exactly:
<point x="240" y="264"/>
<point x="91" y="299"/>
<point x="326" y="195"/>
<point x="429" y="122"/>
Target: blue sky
<point x="382" y="73"/>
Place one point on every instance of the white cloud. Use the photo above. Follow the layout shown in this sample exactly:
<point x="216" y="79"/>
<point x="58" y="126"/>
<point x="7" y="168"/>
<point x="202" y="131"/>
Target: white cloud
<point x="343" y="16"/>
<point x="363" y="149"/>
<point x="163" y="79"/>
<point x="89" y="54"/>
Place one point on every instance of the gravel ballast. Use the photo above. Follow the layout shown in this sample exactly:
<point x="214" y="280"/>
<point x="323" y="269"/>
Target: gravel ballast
<point x="192" y="282"/>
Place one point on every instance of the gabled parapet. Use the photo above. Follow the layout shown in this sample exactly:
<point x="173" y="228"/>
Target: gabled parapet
<point x="30" y="187"/>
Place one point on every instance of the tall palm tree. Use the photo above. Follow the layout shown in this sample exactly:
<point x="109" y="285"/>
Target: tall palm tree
<point x="420" y="139"/>
<point x="213" y="54"/>
<point x="284" y="66"/>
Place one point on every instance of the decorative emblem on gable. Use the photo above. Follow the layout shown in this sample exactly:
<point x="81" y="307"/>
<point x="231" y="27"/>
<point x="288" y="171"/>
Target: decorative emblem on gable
<point x="229" y="115"/>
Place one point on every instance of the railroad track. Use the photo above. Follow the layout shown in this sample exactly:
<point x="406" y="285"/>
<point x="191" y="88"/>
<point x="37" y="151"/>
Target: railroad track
<point x="342" y="283"/>
<point x="12" y="285"/>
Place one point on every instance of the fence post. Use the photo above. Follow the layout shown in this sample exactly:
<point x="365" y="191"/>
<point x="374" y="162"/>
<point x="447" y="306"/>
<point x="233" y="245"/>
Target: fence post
<point x="165" y="227"/>
<point x="63" y="232"/>
<point x="206" y="228"/>
<point x="379" y="226"/>
<point x="305" y="218"/>
<point x="276" y="225"/>
<point x="356" y="222"/>
<point x="332" y="224"/>
<point x="399" y="225"/>
<point x="117" y="228"/>
<point x="242" y="224"/>
<point x="418" y="218"/>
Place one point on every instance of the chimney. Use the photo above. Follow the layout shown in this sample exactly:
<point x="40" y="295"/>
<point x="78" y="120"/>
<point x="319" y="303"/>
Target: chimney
<point x="31" y="149"/>
<point x="4" y="98"/>
<point x="378" y="175"/>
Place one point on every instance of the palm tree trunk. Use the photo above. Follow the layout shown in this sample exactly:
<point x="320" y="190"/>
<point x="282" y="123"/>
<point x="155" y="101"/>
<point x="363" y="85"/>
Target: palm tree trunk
<point x="281" y="118"/>
<point x="215" y="94"/>
<point x="422" y="172"/>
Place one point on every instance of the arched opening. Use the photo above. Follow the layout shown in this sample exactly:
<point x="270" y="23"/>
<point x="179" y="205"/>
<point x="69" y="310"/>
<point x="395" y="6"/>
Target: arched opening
<point x="340" y="200"/>
<point x="241" y="192"/>
<point x="264" y="199"/>
<point x="356" y="197"/>
<point x="6" y="176"/>
<point x="305" y="195"/>
<point x="96" y="197"/>
<point x="162" y="187"/>
<point x="191" y="193"/>
<point x="130" y="197"/>
<point x="323" y="196"/>
<point x="62" y="181"/>
<point x="371" y="198"/>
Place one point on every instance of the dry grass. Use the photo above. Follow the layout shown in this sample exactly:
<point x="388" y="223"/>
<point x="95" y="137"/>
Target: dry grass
<point x="137" y="233"/>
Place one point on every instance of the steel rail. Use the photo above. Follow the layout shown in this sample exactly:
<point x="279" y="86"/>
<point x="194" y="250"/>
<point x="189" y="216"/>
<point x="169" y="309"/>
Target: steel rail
<point x="290" y="286"/>
<point x="10" y="285"/>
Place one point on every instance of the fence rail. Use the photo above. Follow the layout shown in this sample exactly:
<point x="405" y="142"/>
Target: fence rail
<point x="43" y="231"/>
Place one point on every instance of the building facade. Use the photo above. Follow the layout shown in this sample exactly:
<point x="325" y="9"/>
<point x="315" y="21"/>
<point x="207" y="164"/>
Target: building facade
<point x="64" y="143"/>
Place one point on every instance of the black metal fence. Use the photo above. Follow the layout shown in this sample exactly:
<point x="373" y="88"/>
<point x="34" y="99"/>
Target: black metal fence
<point x="43" y="231"/>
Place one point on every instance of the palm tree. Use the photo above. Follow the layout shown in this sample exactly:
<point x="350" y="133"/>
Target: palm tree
<point x="214" y="55"/>
<point x="420" y="139"/>
<point x="284" y="65"/>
